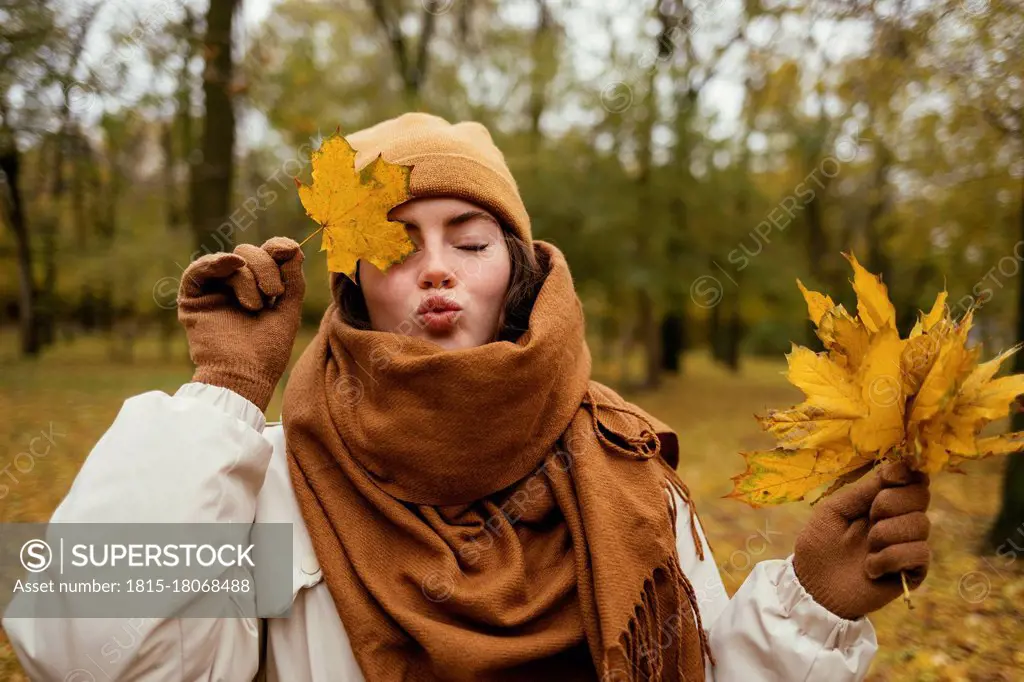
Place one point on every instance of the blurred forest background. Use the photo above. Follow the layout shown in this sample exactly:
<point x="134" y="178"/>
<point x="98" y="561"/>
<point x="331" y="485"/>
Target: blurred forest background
<point x="692" y="158"/>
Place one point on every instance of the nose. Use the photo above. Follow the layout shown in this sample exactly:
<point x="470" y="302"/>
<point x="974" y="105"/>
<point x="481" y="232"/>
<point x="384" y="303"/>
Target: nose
<point x="435" y="272"/>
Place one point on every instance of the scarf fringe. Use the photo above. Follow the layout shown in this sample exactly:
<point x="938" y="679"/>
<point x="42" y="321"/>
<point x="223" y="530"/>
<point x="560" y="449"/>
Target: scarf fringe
<point x="674" y="483"/>
<point x="640" y="646"/>
<point x="643" y="646"/>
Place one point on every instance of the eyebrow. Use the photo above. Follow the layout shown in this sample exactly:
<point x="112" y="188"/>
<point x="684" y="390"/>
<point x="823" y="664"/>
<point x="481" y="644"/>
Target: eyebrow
<point x="459" y="219"/>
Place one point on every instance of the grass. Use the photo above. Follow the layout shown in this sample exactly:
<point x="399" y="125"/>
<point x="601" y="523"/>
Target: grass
<point x="968" y="621"/>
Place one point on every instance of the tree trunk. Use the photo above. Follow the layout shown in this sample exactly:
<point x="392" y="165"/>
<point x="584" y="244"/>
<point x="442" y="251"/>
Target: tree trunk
<point x="542" y="70"/>
<point x="878" y="260"/>
<point x="10" y="165"/>
<point x="674" y="324"/>
<point x="714" y="331"/>
<point x="647" y="320"/>
<point x="648" y="328"/>
<point x="411" y="68"/>
<point x="817" y="240"/>
<point x="212" y="172"/>
<point x="112" y="195"/>
<point x="105" y="306"/>
<point x="167" y="173"/>
<point x="627" y="331"/>
<point x="46" y="297"/>
<point x="672" y="341"/>
<point x="179" y="199"/>
<point x="733" y="337"/>
<point x="169" y="329"/>
<point x="1011" y="513"/>
<point x="79" y="215"/>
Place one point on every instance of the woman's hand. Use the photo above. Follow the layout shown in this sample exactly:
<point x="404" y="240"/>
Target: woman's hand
<point x="241" y="311"/>
<point x="850" y="553"/>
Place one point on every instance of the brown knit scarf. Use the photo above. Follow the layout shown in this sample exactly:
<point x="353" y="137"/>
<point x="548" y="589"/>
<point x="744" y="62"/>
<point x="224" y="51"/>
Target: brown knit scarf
<point x="490" y="513"/>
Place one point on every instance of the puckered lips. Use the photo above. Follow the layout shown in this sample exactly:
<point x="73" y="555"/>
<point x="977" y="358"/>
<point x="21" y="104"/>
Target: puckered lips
<point x="439" y="313"/>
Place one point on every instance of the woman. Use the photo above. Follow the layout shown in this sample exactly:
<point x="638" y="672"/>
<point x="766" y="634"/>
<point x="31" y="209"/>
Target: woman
<point x="467" y="503"/>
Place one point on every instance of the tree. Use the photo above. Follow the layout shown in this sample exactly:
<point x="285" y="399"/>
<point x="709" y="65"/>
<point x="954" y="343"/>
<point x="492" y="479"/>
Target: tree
<point x="212" y="171"/>
<point x="690" y="73"/>
<point x="10" y="168"/>
<point x="176" y="139"/>
<point x="411" y="60"/>
<point x="1011" y="511"/>
<point x="25" y="29"/>
<point x="996" y="57"/>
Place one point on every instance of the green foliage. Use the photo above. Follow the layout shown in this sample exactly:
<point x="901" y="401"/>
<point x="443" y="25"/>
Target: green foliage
<point x="904" y="148"/>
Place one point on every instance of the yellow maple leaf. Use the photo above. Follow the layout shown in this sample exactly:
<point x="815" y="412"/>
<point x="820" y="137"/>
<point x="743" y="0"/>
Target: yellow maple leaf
<point x="939" y="383"/>
<point x="984" y="372"/>
<point x="932" y="457"/>
<point x="932" y="317"/>
<point x="919" y="354"/>
<point x="874" y="308"/>
<point x="992" y="400"/>
<point x="805" y="426"/>
<point x="779" y="475"/>
<point x="956" y="433"/>
<point x="1006" y="444"/>
<point x="352" y="207"/>
<point x="874" y="396"/>
<point x="882" y="391"/>
<point x="826" y="385"/>
<point x="845" y="337"/>
<point x="817" y="304"/>
<point x="965" y="323"/>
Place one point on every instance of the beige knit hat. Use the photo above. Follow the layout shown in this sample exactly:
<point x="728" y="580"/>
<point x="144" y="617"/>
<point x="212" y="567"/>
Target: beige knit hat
<point x="457" y="160"/>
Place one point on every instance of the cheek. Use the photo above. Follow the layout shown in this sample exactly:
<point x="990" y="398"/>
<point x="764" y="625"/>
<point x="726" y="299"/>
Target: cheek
<point x="387" y="297"/>
<point x="492" y="283"/>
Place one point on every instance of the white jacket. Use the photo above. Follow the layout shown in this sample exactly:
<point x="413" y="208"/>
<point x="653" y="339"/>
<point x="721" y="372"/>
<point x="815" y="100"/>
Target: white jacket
<point x="207" y="454"/>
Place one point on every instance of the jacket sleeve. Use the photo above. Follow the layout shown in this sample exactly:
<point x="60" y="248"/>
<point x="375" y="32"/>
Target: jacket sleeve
<point x="196" y="457"/>
<point x="771" y="629"/>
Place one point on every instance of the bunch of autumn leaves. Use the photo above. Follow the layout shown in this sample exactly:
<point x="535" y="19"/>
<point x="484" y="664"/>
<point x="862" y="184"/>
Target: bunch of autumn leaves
<point x="872" y="395"/>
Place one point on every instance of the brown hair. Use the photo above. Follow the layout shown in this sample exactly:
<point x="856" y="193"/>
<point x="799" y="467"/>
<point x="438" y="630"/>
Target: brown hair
<point x="529" y="267"/>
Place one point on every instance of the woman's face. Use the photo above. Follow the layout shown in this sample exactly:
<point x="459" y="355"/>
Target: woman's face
<point x="451" y="289"/>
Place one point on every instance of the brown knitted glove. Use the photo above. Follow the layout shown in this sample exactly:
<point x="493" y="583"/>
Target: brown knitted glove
<point x="241" y="312"/>
<point x="849" y="555"/>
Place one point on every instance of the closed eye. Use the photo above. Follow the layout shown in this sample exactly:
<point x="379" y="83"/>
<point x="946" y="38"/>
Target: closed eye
<point x="477" y="247"/>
